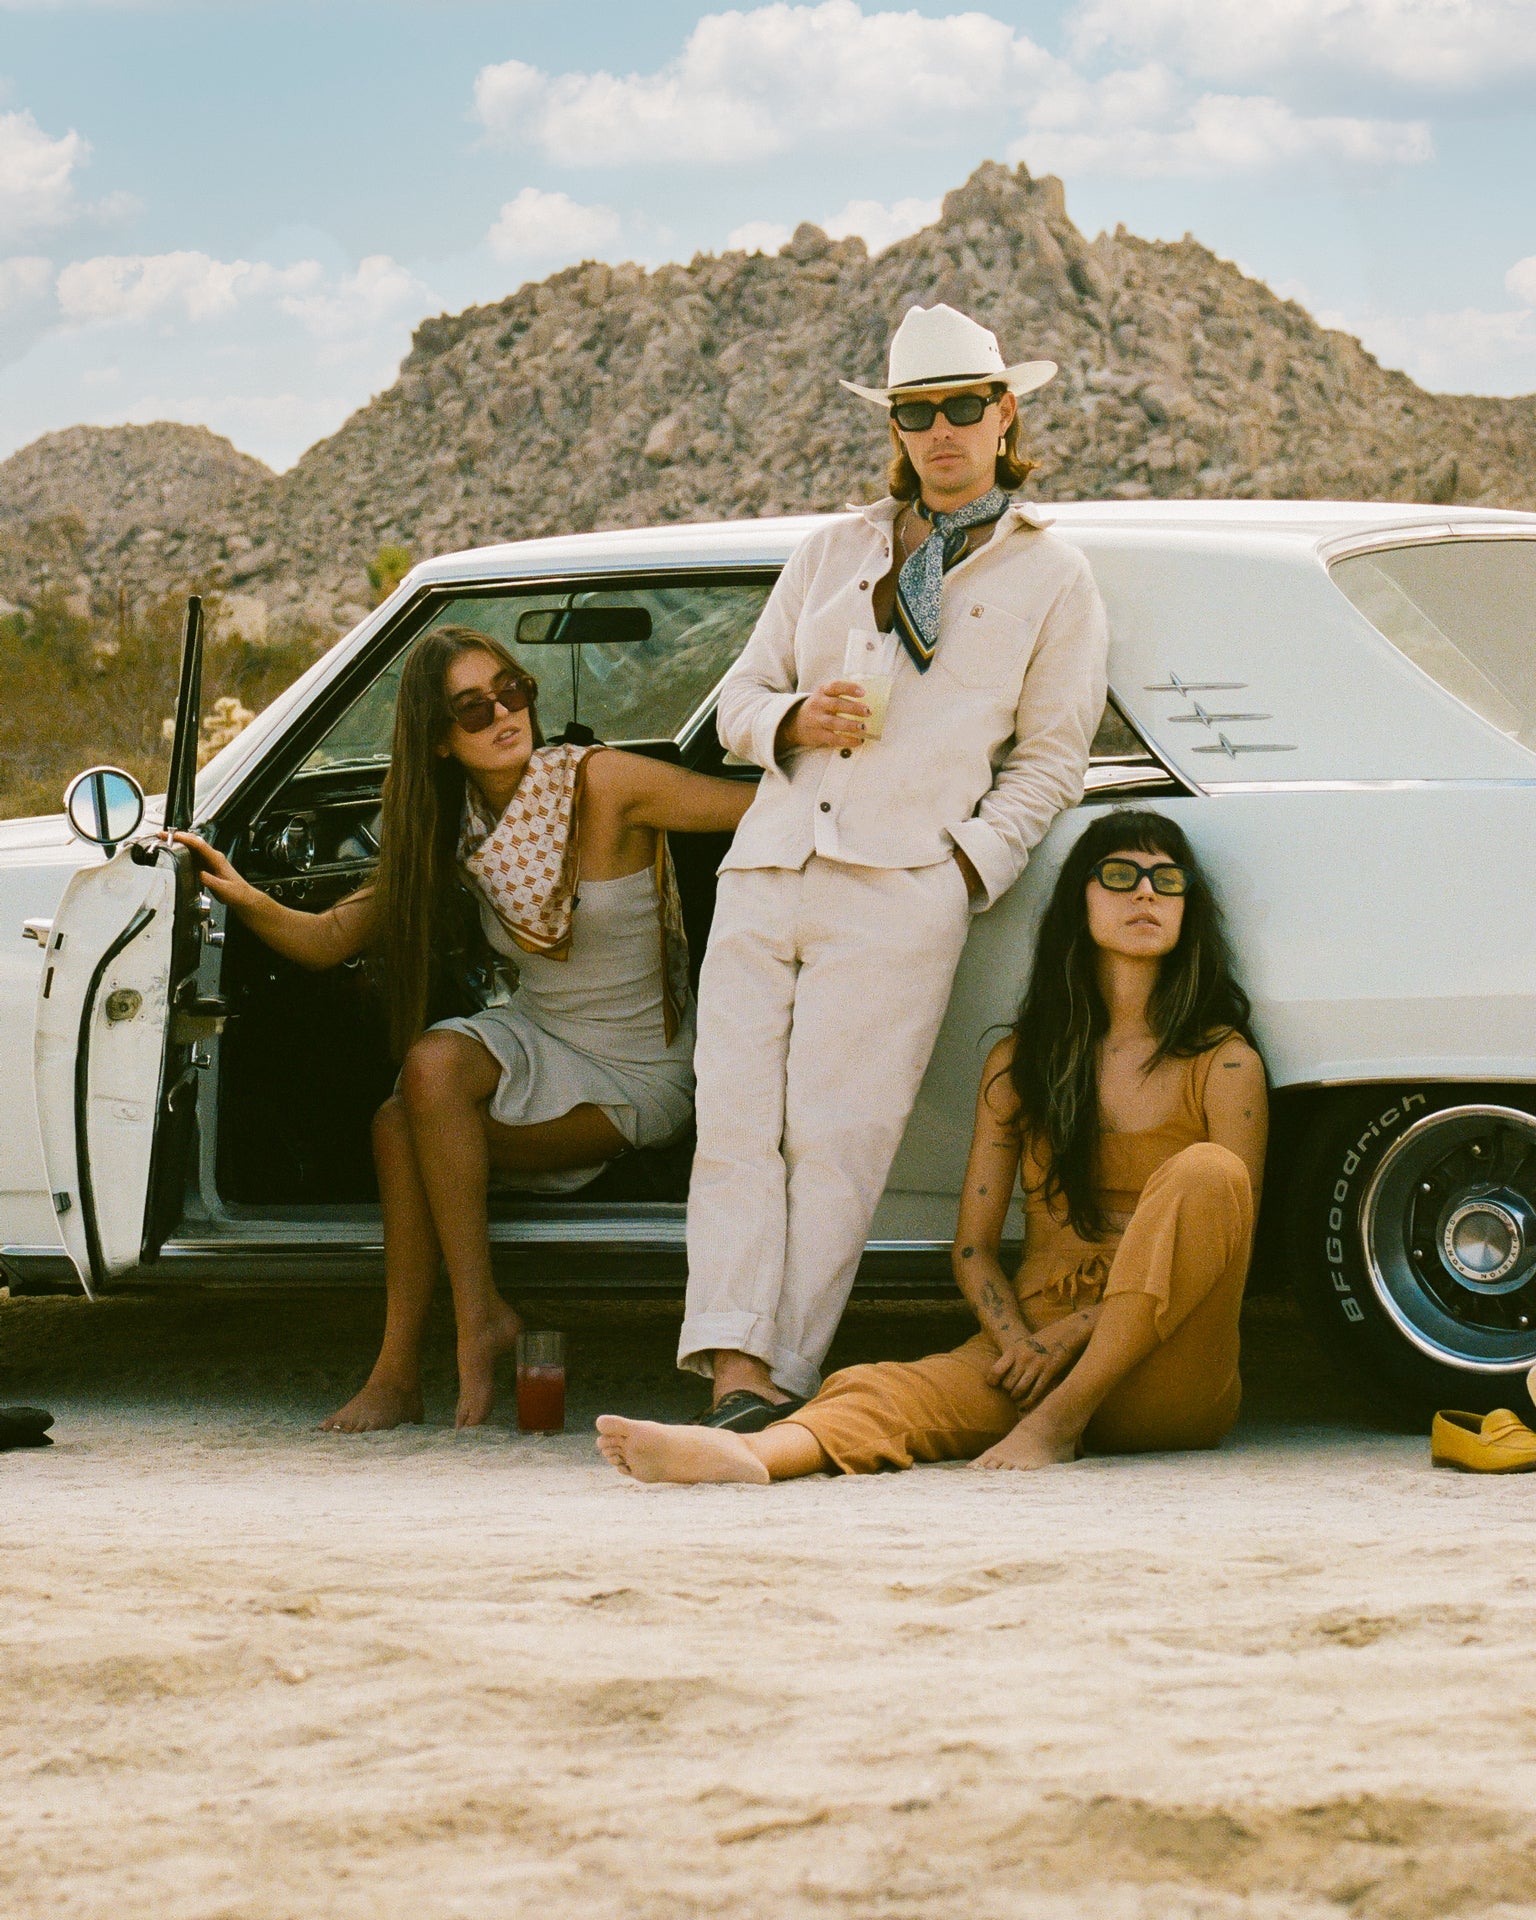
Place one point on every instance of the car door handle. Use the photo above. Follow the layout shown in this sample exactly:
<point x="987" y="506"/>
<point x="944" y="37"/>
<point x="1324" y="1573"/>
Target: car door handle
<point x="37" y="930"/>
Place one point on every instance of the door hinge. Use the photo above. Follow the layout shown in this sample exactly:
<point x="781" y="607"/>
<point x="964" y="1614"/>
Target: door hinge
<point x="62" y="1203"/>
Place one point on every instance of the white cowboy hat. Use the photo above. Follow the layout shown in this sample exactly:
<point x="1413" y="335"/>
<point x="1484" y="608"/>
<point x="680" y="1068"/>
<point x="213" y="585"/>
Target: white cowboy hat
<point x="938" y="347"/>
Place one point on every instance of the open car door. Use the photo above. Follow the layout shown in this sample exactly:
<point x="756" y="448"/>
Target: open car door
<point x="121" y="1031"/>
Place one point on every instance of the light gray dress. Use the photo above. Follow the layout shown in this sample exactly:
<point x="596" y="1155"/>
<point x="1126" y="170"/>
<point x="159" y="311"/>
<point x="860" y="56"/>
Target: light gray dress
<point x="589" y="1029"/>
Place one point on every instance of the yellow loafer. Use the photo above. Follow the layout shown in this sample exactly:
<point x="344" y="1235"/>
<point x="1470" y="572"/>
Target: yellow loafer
<point x="1482" y="1442"/>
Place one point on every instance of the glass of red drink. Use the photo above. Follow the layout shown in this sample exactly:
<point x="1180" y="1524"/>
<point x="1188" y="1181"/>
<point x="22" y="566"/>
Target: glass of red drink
<point x="541" y="1382"/>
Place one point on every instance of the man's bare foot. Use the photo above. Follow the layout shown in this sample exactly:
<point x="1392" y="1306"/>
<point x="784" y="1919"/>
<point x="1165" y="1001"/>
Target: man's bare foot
<point x="647" y="1450"/>
<point x="738" y="1372"/>
<point x="1033" y="1443"/>
<point x="479" y="1350"/>
<point x="380" y="1405"/>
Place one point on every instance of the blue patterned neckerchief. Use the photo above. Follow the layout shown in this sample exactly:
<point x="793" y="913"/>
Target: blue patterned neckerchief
<point x="922" y="575"/>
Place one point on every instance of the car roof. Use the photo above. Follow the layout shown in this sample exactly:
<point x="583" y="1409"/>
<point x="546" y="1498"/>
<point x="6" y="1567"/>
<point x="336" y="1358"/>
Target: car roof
<point x="766" y="543"/>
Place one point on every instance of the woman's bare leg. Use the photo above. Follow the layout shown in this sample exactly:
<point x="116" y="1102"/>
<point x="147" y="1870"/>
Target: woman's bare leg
<point x="447" y="1081"/>
<point x="392" y="1392"/>
<point x="1051" y="1433"/>
<point x="647" y="1450"/>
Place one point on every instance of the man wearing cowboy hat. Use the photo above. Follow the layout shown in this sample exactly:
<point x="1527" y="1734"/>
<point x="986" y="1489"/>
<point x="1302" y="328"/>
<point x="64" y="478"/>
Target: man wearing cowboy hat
<point x="845" y="898"/>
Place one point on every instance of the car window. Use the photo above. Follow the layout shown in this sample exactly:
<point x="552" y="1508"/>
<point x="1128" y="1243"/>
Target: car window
<point x="1465" y="612"/>
<point x="645" y="684"/>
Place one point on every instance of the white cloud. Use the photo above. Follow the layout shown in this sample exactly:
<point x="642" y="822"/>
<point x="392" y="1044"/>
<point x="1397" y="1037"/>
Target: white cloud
<point x="1434" y="46"/>
<point x="1470" y="351"/>
<point x="877" y="225"/>
<point x="379" y="293"/>
<point x="758" y="236"/>
<point x="880" y="226"/>
<point x="1521" y="280"/>
<point x="273" y="356"/>
<point x="26" y="303"/>
<point x="552" y="228"/>
<point x="114" y="287"/>
<point x="24" y="279"/>
<point x="1145" y="122"/>
<point x="37" y="188"/>
<point x="126" y="288"/>
<point x="753" y="83"/>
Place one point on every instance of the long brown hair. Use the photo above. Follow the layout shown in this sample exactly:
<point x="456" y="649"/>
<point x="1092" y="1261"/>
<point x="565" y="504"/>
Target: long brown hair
<point x="1013" y="465"/>
<point x="420" y="903"/>
<point x="1195" y="1004"/>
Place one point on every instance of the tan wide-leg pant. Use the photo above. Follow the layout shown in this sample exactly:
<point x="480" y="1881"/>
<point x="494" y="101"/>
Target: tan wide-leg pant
<point x="821" y="995"/>
<point x="1186" y="1245"/>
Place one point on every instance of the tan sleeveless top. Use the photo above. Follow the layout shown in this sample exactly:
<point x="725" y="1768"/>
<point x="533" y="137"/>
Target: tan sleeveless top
<point x="1057" y="1260"/>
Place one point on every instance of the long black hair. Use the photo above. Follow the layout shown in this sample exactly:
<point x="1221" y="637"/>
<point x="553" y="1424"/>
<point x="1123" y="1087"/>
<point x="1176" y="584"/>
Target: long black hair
<point x="421" y="909"/>
<point x="1194" y="1005"/>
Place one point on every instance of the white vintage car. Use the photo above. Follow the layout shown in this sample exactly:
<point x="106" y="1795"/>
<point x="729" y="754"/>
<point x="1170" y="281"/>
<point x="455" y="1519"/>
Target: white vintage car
<point x="1337" y="702"/>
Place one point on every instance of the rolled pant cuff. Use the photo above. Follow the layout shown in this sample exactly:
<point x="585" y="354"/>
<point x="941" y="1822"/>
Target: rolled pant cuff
<point x="706" y="1333"/>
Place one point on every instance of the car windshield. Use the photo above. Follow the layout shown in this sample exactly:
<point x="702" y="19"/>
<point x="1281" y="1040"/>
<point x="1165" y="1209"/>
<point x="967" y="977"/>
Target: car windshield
<point x="633" y="662"/>
<point x="1464" y="611"/>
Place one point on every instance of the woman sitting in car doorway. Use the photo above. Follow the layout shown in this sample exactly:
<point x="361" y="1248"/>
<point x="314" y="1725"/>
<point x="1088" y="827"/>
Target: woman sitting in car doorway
<point x="594" y="1052"/>
<point x="1130" y="1100"/>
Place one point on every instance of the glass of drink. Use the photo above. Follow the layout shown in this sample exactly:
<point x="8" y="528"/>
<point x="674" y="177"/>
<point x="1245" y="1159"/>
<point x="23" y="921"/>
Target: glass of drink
<point x="541" y="1383"/>
<point x="874" y="685"/>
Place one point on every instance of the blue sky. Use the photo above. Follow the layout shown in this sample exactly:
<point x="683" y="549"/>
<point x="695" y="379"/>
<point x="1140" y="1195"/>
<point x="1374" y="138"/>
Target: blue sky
<point x="233" y="212"/>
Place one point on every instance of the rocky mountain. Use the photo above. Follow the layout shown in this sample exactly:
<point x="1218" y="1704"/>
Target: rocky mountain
<point x="612" y="396"/>
<point x="94" y="507"/>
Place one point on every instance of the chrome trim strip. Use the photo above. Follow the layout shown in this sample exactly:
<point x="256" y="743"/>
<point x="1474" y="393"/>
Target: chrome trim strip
<point x="1451" y="1077"/>
<point x="1436" y="533"/>
<point x="1502" y="783"/>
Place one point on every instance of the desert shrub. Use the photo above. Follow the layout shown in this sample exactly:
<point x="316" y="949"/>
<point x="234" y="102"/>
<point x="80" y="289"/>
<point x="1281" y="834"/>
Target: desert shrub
<point x="78" y="693"/>
<point x="386" y="570"/>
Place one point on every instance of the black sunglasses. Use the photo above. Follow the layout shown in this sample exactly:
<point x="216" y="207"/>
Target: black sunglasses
<point x="1125" y="876"/>
<point x="474" y="712"/>
<point x="960" y="410"/>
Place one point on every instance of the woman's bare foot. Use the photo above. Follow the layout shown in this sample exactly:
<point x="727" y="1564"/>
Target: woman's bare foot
<point x="480" y="1348"/>
<point x="1033" y="1443"/>
<point x="380" y="1405"/>
<point x="647" y="1450"/>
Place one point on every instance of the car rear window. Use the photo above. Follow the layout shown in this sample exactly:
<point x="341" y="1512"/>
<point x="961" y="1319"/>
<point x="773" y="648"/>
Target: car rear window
<point x="1465" y="612"/>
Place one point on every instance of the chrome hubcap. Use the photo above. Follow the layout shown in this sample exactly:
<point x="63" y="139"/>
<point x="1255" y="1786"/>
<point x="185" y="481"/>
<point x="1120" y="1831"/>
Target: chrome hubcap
<point x="1481" y="1242"/>
<point x="1449" y="1231"/>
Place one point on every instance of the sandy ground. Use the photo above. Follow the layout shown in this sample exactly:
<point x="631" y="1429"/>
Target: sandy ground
<point x="252" y="1671"/>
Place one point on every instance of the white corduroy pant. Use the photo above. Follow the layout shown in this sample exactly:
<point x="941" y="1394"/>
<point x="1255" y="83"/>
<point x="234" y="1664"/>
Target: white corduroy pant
<point x="820" y="999"/>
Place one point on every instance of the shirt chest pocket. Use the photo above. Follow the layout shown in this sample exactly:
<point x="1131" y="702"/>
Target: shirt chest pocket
<point x="983" y="646"/>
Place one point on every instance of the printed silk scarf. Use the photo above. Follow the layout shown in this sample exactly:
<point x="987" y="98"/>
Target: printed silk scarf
<point x="527" y="864"/>
<point x="918" y="585"/>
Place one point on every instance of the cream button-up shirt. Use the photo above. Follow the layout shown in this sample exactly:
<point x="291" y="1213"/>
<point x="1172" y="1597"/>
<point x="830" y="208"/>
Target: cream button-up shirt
<point x="981" y="752"/>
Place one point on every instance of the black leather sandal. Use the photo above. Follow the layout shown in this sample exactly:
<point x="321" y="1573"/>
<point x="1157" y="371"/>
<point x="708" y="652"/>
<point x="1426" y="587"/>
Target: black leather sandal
<point x="24" y="1427"/>
<point x="746" y="1412"/>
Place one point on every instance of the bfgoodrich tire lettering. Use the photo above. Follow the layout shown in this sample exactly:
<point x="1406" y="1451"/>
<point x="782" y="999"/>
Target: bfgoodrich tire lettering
<point x="1413" y="1234"/>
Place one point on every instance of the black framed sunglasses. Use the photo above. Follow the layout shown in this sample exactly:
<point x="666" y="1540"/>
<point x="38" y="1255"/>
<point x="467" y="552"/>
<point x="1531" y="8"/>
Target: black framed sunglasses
<point x="1125" y="876"/>
<point x="960" y="410"/>
<point x="475" y="711"/>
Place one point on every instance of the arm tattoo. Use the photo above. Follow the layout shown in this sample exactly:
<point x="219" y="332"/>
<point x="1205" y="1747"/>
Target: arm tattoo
<point x="966" y="1252"/>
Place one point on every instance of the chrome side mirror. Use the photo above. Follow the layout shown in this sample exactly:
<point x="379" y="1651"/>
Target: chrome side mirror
<point x="105" y="806"/>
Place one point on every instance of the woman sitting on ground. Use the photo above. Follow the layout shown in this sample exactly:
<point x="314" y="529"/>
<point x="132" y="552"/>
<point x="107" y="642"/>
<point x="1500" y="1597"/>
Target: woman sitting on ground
<point x="592" y="1055"/>
<point x="1133" y="1100"/>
